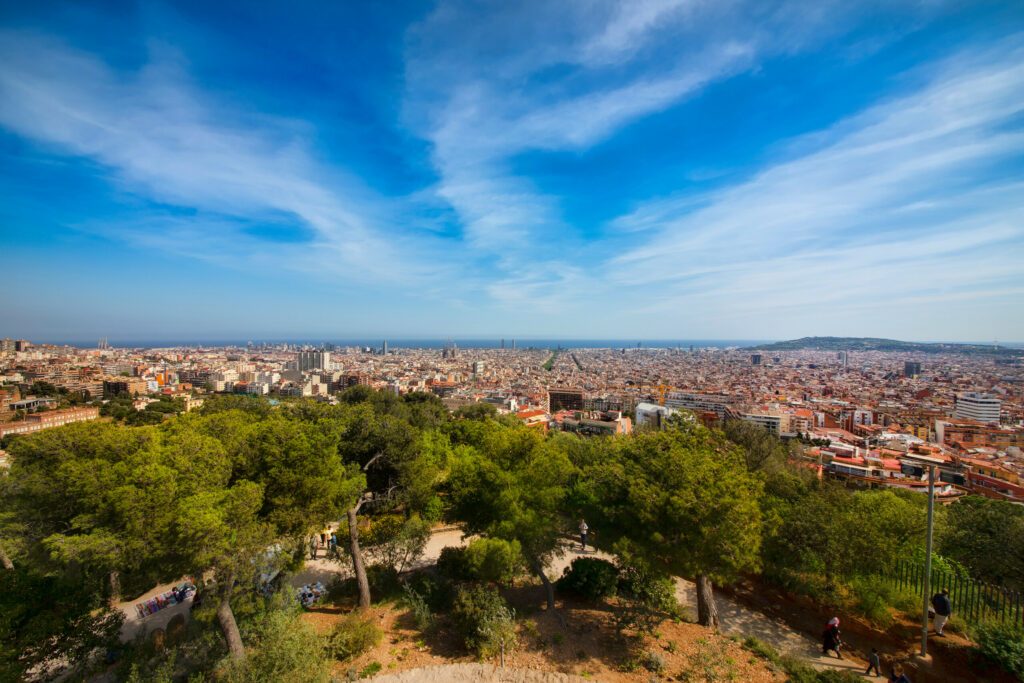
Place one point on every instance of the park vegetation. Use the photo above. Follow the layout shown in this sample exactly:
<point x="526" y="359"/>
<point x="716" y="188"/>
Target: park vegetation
<point x="93" y="513"/>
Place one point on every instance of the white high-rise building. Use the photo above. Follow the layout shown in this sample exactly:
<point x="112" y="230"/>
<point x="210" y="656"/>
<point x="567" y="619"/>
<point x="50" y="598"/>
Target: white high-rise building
<point x="313" y="360"/>
<point x="975" y="406"/>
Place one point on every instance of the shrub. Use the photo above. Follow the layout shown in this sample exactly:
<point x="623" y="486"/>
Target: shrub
<point x="1002" y="644"/>
<point x="353" y="636"/>
<point x="762" y="650"/>
<point x="709" y="663"/>
<point x="590" y="578"/>
<point x="438" y="593"/>
<point x="648" y="597"/>
<point x="384" y="582"/>
<point x="452" y="564"/>
<point x="484" y="620"/>
<point x="417" y="604"/>
<point x="370" y="669"/>
<point x="494" y="559"/>
<point x="875" y="598"/>
<point x="339" y="590"/>
<point x="281" y="647"/>
<point x="653" y="662"/>
<point x="650" y="588"/>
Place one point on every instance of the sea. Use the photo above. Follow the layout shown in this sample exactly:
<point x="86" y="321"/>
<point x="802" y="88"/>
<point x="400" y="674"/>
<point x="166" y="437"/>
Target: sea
<point x="430" y="343"/>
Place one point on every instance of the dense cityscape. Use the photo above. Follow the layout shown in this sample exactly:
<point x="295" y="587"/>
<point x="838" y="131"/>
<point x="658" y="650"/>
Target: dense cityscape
<point x="448" y="341"/>
<point x="858" y="411"/>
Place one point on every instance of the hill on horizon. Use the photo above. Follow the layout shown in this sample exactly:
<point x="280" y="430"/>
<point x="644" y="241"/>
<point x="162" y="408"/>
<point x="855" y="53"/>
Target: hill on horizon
<point x="878" y="344"/>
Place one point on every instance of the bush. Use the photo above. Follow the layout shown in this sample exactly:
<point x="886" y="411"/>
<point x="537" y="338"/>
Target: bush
<point x="762" y="650"/>
<point x="653" y="662"/>
<point x="437" y="592"/>
<point x="353" y="636"/>
<point x="417" y="604"/>
<point x="649" y="596"/>
<point x="875" y="598"/>
<point x="493" y="559"/>
<point x="282" y="647"/>
<point x="453" y="564"/>
<point x="484" y="620"/>
<point x="384" y="582"/>
<point x="1001" y="644"/>
<point x="590" y="578"/>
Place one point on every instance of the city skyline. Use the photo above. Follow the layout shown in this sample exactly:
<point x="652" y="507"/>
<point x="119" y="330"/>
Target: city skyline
<point x="650" y="170"/>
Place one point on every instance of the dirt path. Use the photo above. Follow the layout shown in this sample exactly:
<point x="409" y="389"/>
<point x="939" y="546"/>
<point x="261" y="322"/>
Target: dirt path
<point x="476" y="673"/>
<point x="736" y="619"/>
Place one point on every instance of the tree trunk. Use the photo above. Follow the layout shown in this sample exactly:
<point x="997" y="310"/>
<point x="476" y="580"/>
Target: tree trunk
<point x="357" y="559"/>
<point x="226" y="619"/>
<point x="5" y="561"/>
<point x="114" y="583"/>
<point x="707" y="611"/>
<point x="549" y="589"/>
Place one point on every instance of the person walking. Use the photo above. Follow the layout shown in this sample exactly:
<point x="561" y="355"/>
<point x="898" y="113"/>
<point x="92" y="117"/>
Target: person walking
<point x="333" y="545"/>
<point x="943" y="609"/>
<point x="312" y="547"/>
<point x="830" y="641"/>
<point x="874" y="663"/>
<point x="583" y="534"/>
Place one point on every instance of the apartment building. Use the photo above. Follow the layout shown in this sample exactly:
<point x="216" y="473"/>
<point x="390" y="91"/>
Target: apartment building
<point x="55" y="418"/>
<point x="976" y="406"/>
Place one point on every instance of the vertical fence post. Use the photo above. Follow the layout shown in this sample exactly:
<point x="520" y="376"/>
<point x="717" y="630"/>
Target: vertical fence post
<point x="970" y="600"/>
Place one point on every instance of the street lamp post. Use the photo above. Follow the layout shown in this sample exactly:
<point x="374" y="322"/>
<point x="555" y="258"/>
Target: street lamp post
<point x="928" y="561"/>
<point x="931" y="463"/>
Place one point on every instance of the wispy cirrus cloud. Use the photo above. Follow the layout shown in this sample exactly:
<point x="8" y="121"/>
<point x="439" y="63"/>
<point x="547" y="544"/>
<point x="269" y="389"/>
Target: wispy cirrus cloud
<point x="161" y="137"/>
<point x="528" y="78"/>
<point x="903" y="203"/>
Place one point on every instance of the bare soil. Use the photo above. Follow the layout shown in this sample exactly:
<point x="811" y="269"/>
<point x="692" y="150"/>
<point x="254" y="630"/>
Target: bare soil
<point x="586" y="647"/>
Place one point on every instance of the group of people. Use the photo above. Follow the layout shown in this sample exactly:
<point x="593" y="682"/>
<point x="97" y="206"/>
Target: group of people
<point x="942" y="608"/>
<point x="327" y="539"/>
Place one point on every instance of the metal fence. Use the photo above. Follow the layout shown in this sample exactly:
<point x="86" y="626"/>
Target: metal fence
<point x="972" y="600"/>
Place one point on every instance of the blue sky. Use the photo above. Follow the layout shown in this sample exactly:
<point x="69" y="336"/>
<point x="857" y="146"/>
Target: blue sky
<point x="646" y="169"/>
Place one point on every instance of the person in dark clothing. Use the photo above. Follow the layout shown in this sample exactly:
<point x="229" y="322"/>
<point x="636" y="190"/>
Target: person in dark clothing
<point x="873" y="663"/>
<point x="897" y="675"/>
<point x="830" y="640"/>
<point x="583" y="535"/>
<point x="943" y="609"/>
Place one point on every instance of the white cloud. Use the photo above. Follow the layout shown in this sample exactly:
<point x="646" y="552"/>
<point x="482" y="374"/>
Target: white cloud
<point x="163" y="138"/>
<point x="535" y="77"/>
<point x="901" y="205"/>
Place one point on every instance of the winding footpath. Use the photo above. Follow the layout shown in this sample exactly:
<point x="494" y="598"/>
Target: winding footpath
<point x="735" y="618"/>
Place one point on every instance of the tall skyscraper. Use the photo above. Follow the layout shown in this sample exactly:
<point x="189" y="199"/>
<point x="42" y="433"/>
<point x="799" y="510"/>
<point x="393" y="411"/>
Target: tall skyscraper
<point x="911" y="368"/>
<point x="384" y="348"/>
<point x="313" y="360"/>
<point x="755" y="359"/>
